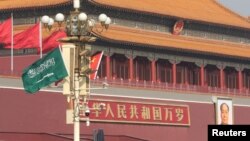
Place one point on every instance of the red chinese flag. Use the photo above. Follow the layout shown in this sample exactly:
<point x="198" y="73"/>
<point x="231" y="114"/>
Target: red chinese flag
<point x="95" y="63"/>
<point x="29" y="38"/>
<point x="5" y="31"/>
<point x="51" y="42"/>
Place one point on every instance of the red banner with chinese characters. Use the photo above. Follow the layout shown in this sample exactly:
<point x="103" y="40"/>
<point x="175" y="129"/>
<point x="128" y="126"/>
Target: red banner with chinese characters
<point x="141" y="113"/>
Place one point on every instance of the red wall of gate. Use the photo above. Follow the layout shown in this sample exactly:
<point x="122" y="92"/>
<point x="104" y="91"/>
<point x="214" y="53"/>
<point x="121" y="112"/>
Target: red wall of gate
<point x="19" y="63"/>
<point x="44" y="112"/>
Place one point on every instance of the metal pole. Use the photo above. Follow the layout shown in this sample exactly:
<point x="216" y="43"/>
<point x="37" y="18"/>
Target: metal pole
<point x="12" y="45"/>
<point x="76" y="5"/>
<point x="76" y="108"/>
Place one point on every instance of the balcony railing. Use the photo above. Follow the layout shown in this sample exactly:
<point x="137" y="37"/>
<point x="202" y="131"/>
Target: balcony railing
<point x="178" y="87"/>
<point x="155" y="85"/>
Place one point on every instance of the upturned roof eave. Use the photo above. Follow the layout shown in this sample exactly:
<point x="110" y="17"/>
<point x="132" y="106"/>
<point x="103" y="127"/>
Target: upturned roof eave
<point x="232" y="50"/>
<point x="122" y="42"/>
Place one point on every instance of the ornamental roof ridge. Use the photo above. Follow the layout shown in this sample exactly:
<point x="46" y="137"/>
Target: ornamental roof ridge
<point x="230" y="11"/>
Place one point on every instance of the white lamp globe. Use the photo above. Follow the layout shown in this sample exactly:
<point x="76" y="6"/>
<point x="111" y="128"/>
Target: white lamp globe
<point x="59" y="17"/>
<point x="102" y="17"/>
<point x="82" y="17"/>
<point x="45" y="19"/>
<point x="108" y="21"/>
<point x="51" y="22"/>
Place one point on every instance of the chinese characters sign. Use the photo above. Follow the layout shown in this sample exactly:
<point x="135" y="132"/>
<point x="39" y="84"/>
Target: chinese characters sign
<point x="144" y="113"/>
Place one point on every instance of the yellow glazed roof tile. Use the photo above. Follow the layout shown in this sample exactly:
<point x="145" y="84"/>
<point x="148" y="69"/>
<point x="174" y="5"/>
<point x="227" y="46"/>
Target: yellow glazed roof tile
<point x="163" y="40"/>
<point x="202" y="10"/>
<point x="17" y="4"/>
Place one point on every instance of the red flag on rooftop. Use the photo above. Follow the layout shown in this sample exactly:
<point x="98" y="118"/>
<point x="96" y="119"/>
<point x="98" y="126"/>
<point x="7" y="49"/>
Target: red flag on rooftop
<point x="95" y="63"/>
<point x="52" y="42"/>
<point x="29" y="38"/>
<point x="5" y="31"/>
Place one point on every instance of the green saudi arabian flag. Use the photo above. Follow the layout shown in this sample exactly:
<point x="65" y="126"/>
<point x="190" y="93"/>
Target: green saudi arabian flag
<point x="43" y="72"/>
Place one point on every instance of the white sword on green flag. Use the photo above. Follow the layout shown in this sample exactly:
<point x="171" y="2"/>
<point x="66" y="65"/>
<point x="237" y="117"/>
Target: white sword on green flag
<point x="45" y="71"/>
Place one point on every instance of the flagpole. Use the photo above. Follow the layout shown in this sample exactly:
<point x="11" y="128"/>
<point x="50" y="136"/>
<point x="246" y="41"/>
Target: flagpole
<point x="12" y="58"/>
<point x="40" y="39"/>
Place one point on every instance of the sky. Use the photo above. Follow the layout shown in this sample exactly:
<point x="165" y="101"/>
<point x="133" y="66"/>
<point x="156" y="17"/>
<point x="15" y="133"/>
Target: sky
<point x="241" y="7"/>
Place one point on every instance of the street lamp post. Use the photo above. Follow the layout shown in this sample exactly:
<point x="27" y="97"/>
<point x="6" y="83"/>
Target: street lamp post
<point x="76" y="108"/>
<point x="78" y="29"/>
